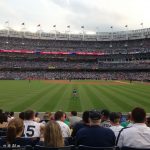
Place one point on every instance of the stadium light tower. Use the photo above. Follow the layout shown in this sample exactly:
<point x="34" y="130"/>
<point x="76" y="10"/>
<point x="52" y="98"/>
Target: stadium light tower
<point x="126" y="44"/>
<point x="142" y="35"/>
<point x="97" y="33"/>
<point x="68" y="30"/>
<point x="23" y="28"/>
<point x="54" y="26"/>
<point x="23" y="32"/>
<point x="39" y="29"/>
<point x="111" y="38"/>
<point x="82" y="27"/>
<point x="126" y="26"/>
<point x="142" y="31"/>
<point x="6" y="25"/>
<point x="112" y="32"/>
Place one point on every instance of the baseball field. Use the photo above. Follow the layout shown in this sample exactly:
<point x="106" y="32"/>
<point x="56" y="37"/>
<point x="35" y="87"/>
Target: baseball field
<point x="53" y="95"/>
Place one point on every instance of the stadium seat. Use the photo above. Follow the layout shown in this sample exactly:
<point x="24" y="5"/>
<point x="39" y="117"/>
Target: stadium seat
<point x="3" y="133"/>
<point x="70" y="147"/>
<point x="83" y="147"/>
<point x="132" y="148"/>
<point x="17" y="148"/>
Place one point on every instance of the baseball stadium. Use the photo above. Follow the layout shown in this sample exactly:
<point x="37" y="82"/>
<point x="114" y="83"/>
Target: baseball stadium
<point x="108" y="70"/>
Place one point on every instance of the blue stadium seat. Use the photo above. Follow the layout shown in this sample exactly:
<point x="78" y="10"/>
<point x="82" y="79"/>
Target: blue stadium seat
<point x="70" y="147"/>
<point x="132" y="148"/>
<point x="3" y="132"/>
<point x="83" y="147"/>
<point x="17" y="148"/>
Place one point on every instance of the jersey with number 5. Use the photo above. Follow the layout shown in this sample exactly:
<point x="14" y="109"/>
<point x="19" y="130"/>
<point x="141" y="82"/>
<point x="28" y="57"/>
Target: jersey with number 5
<point x="31" y="128"/>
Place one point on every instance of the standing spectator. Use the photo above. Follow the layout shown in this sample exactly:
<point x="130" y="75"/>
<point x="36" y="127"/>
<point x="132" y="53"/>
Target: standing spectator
<point x="95" y="135"/>
<point x="60" y="118"/>
<point x="138" y="135"/>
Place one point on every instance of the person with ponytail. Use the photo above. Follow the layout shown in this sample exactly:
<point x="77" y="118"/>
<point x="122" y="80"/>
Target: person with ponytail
<point x="52" y="135"/>
<point x="14" y="135"/>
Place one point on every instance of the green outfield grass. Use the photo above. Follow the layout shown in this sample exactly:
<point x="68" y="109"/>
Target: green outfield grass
<point x="43" y="96"/>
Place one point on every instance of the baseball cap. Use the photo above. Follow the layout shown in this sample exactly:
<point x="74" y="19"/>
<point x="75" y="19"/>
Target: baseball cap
<point x="105" y="112"/>
<point x="94" y="115"/>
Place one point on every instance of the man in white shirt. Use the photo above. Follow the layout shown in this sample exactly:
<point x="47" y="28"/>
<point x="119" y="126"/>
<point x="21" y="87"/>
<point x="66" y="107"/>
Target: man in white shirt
<point x="60" y="118"/>
<point x="31" y="128"/>
<point x="74" y="118"/>
<point x="138" y="135"/>
<point x="115" y="122"/>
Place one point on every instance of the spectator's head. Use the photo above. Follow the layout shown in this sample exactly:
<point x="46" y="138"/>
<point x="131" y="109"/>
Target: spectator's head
<point x="47" y="116"/>
<point x="11" y="114"/>
<point x="138" y="115"/>
<point x="148" y="121"/>
<point x="21" y="115"/>
<point x="29" y="115"/>
<point x="60" y="115"/>
<point x="1" y="111"/>
<point x="53" y="135"/>
<point x="85" y="117"/>
<point x="36" y="114"/>
<point x="105" y="114"/>
<point x="114" y="117"/>
<point x="94" y="116"/>
<point x="3" y="118"/>
<point x="15" y="129"/>
<point x="73" y="113"/>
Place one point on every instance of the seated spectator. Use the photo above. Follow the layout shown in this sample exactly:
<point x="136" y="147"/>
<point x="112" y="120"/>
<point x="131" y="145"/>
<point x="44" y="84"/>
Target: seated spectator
<point x="11" y="116"/>
<point x="138" y="135"/>
<point x="148" y="121"/>
<point x="128" y="122"/>
<point x="52" y="135"/>
<point x="46" y="117"/>
<point x="115" y="123"/>
<point x="31" y="128"/>
<point x="21" y="115"/>
<point x="83" y="123"/>
<point x="60" y="118"/>
<point x="3" y="120"/>
<point x="74" y="118"/>
<point x="105" y="122"/>
<point x="36" y="118"/>
<point x="95" y="135"/>
<point x="67" y="121"/>
<point x="14" y="133"/>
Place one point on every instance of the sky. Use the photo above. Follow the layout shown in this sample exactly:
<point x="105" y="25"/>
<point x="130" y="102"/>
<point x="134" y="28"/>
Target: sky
<point x="94" y="15"/>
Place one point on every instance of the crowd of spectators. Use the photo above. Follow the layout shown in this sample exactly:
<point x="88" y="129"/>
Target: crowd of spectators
<point x="96" y="128"/>
<point x="73" y="65"/>
<point x="108" y="47"/>
<point x="66" y="75"/>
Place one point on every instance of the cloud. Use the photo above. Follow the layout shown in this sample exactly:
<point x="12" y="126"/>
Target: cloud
<point x="90" y="13"/>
